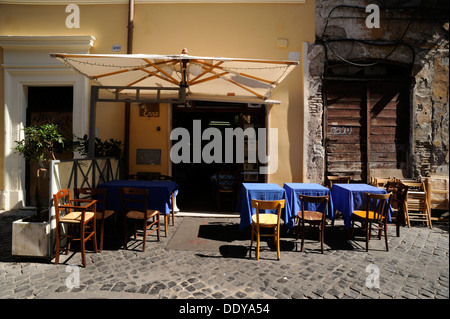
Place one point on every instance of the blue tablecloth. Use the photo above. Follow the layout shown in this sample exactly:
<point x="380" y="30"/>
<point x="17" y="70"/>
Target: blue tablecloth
<point x="261" y="191"/>
<point x="159" y="193"/>
<point x="350" y="197"/>
<point x="293" y="190"/>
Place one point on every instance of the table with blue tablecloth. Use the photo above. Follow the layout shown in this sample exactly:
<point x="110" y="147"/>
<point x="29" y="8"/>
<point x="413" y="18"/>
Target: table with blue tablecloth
<point x="159" y="193"/>
<point x="350" y="197"/>
<point x="293" y="206"/>
<point x="261" y="191"/>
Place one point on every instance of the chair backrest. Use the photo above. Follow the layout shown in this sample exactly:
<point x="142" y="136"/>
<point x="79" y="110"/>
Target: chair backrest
<point x="314" y="200"/>
<point x="165" y="178"/>
<point x="379" y="204"/>
<point x="268" y="205"/>
<point x="92" y="193"/>
<point x="414" y="185"/>
<point x="225" y="181"/>
<point x="62" y="197"/>
<point x="338" y="180"/>
<point x="381" y="182"/>
<point x="135" y="199"/>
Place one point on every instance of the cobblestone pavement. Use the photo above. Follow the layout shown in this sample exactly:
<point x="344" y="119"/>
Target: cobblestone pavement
<point x="416" y="266"/>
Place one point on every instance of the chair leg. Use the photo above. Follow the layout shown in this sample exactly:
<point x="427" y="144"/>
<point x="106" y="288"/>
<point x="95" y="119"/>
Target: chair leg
<point x="82" y="244"/>
<point x="251" y="240"/>
<point x="125" y="231"/>
<point x="58" y="245"/>
<point x="173" y="217"/>
<point x="144" y="235"/>
<point x="69" y="238"/>
<point x="386" y="235"/>
<point x="166" y="224"/>
<point x="303" y="236"/>
<point x="257" y="245"/>
<point x="368" y="227"/>
<point x="158" y="231"/>
<point x="102" y="227"/>
<point x="94" y="227"/>
<point x="322" y="239"/>
<point x="277" y="238"/>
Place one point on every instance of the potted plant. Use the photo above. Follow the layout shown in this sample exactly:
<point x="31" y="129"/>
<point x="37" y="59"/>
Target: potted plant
<point x="107" y="148"/>
<point x="30" y="236"/>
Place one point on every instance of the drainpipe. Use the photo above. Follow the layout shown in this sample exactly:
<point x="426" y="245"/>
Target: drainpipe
<point x="127" y="104"/>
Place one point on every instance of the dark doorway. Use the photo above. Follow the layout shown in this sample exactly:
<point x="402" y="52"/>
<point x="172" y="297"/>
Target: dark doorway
<point x="197" y="181"/>
<point x="48" y="104"/>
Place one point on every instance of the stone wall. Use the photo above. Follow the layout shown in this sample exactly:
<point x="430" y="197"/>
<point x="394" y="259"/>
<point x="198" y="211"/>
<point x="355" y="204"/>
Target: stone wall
<point x="412" y="33"/>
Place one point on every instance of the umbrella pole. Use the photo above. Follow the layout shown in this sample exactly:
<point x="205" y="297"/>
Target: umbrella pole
<point x="127" y="104"/>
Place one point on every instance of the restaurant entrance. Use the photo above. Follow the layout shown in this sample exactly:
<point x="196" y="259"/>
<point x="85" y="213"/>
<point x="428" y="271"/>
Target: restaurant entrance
<point x="197" y="177"/>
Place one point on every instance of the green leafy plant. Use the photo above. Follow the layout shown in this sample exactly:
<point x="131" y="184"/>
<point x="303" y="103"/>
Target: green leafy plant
<point x="107" y="148"/>
<point x="40" y="144"/>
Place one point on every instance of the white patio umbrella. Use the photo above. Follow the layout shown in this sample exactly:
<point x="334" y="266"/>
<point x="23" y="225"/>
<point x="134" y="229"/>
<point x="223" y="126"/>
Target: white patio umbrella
<point x="201" y="77"/>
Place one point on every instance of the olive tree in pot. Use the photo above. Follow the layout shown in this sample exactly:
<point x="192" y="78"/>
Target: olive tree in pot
<point x="40" y="144"/>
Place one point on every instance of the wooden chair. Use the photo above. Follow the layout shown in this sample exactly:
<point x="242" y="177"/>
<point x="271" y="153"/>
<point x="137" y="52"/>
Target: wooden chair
<point x="312" y="217"/>
<point x="165" y="178"/>
<point x="417" y="207"/>
<point x="225" y="189"/>
<point x="338" y="180"/>
<point x="102" y="213"/>
<point x="380" y="182"/>
<point x="398" y="203"/>
<point x="376" y="212"/>
<point x="69" y="214"/>
<point x="134" y="206"/>
<point x="267" y="220"/>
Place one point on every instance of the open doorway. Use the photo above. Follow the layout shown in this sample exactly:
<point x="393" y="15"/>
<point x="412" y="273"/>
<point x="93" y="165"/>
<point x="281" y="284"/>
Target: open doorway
<point x="54" y="105"/>
<point x="198" y="180"/>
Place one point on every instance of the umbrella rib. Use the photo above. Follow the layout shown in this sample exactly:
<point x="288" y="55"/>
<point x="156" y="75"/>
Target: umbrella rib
<point x="245" y="88"/>
<point x="108" y="74"/>
<point x="208" y="79"/>
<point x="133" y="83"/>
<point x="241" y="74"/>
<point x="191" y="82"/>
<point x="161" y="70"/>
<point x="216" y="75"/>
<point x="170" y="80"/>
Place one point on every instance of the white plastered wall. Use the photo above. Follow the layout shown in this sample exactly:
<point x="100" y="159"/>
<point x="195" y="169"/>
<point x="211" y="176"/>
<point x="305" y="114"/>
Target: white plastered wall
<point x="27" y="62"/>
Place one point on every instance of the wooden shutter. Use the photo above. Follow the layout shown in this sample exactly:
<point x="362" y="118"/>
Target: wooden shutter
<point x="366" y="127"/>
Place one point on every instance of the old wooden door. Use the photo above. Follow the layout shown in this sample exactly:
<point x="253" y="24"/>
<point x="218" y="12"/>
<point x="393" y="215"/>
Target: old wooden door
<point x="366" y="128"/>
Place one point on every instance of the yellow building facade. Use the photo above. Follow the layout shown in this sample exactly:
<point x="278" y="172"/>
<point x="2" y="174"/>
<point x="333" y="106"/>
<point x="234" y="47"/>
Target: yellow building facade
<point x="31" y="30"/>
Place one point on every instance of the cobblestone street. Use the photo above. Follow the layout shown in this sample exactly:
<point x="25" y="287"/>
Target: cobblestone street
<point x="416" y="266"/>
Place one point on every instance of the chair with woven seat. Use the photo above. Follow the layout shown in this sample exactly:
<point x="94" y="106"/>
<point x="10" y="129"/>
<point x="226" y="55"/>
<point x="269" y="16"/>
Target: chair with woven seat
<point x="312" y="217"/>
<point x="417" y="207"/>
<point x="338" y="180"/>
<point x="266" y="221"/>
<point x="72" y="212"/>
<point x="102" y="213"/>
<point x="225" y="189"/>
<point x="342" y="179"/>
<point x="380" y="182"/>
<point x="377" y="210"/>
<point x="398" y="203"/>
<point x="135" y="207"/>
